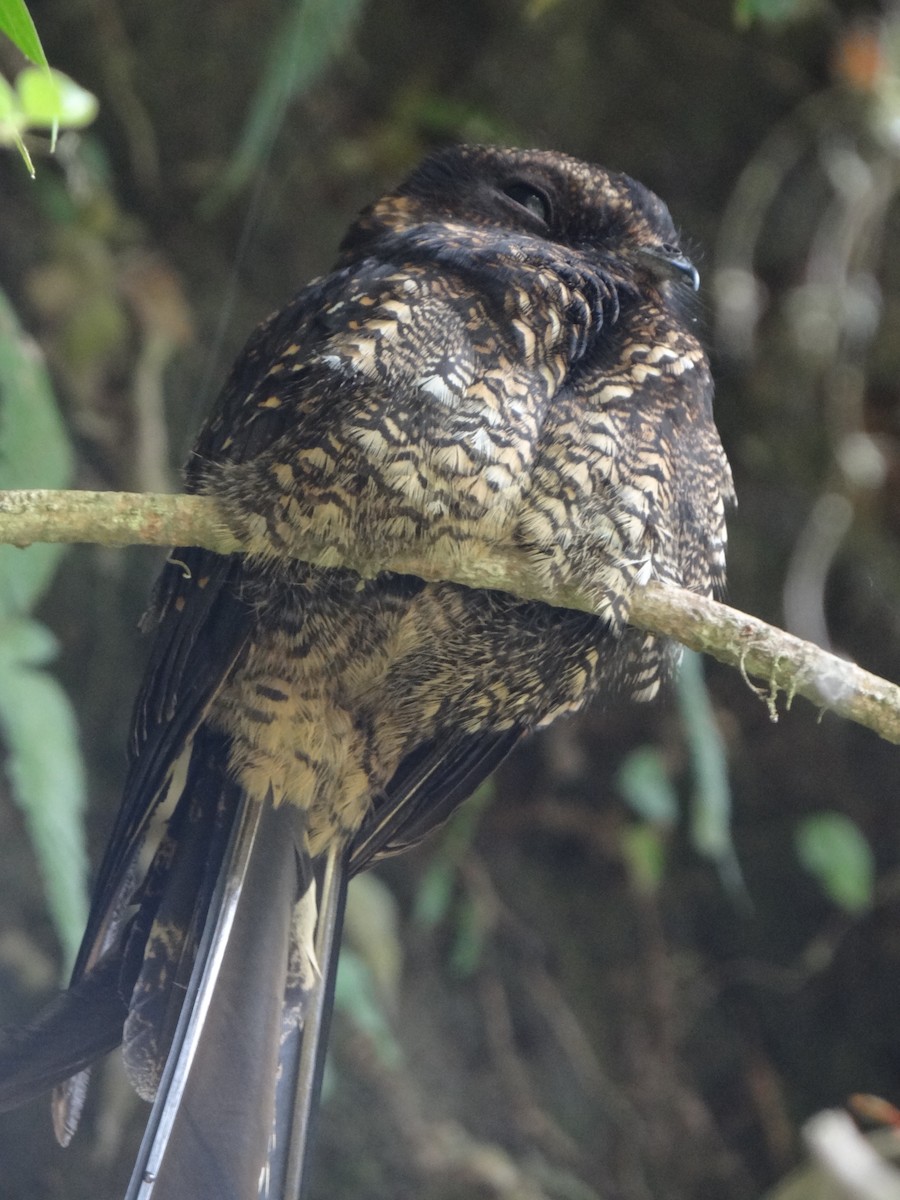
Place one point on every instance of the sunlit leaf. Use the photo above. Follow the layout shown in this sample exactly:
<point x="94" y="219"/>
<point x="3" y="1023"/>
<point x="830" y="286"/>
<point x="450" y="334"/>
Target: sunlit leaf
<point x="833" y="849"/>
<point x="9" y="105"/>
<point x="16" y="23"/>
<point x="49" y="97"/>
<point x="10" y="133"/>
<point x="11" y="123"/>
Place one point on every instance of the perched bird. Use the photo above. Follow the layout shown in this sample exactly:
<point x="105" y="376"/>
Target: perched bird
<point x="504" y="356"/>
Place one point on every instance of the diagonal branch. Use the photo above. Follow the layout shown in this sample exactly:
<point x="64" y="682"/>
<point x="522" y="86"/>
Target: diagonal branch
<point x="785" y="663"/>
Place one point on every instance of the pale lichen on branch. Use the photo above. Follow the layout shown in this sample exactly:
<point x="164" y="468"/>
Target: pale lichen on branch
<point x="785" y="663"/>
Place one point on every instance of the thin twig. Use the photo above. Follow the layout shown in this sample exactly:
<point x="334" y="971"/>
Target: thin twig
<point x="785" y="663"/>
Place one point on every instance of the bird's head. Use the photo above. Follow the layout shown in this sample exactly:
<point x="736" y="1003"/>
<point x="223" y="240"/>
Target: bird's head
<point x="600" y="215"/>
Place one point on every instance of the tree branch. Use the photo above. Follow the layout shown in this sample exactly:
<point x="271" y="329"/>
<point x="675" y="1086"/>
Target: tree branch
<point x="785" y="663"/>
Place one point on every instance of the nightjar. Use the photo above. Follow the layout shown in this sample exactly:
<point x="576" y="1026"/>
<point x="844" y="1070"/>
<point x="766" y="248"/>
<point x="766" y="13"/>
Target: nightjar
<point x="503" y="356"/>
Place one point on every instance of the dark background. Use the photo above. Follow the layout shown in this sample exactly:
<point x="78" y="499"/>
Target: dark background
<point x="562" y="997"/>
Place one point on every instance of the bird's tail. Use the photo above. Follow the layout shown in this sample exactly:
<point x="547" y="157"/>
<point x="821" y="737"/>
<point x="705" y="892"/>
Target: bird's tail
<point x="233" y="1111"/>
<point x="221" y="990"/>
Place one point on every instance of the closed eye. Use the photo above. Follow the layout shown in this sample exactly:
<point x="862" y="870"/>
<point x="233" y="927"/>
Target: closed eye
<point x="533" y="199"/>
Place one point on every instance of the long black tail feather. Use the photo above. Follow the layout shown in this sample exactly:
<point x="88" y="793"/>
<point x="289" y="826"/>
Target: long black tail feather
<point x="73" y="1031"/>
<point x="209" y="1130"/>
<point x="232" y="1115"/>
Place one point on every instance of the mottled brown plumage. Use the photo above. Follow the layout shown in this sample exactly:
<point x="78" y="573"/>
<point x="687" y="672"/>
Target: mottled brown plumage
<point x="503" y="356"/>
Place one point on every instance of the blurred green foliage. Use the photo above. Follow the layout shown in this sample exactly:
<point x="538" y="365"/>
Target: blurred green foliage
<point x="309" y="35"/>
<point x="41" y="98"/>
<point x="37" y="723"/>
<point x="773" y="11"/>
<point x="834" y="850"/>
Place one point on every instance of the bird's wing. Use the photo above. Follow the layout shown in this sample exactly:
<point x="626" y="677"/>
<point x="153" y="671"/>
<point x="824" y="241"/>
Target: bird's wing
<point x="426" y="788"/>
<point x="202" y="629"/>
<point x="199" y="618"/>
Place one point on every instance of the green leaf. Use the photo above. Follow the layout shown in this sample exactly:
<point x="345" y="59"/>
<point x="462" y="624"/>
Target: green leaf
<point x="34" y="452"/>
<point x="644" y="850"/>
<point x="775" y="12"/>
<point x="646" y="787"/>
<point x="10" y="133"/>
<point x="12" y="122"/>
<point x="49" y="98"/>
<point x="711" y="793"/>
<point x="310" y="35"/>
<point x="371" y="927"/>
<point x="26" y="642"/>
<point x="37" y="725"/>
<point x="435" y="892"/>
<point x="356" y="995"/>
<point x="16" y="23"/>
<point x="9" y="105"/>
<point x="470" y="938"/>
<point x="833" y="849"/>
<point x="45" y="769"/>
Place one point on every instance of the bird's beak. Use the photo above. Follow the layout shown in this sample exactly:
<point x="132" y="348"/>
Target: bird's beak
<point x="668" y="264"/>
<point x="684" y="268"/>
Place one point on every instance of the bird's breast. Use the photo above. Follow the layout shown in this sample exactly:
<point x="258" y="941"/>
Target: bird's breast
<point x="344" y="680"/>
